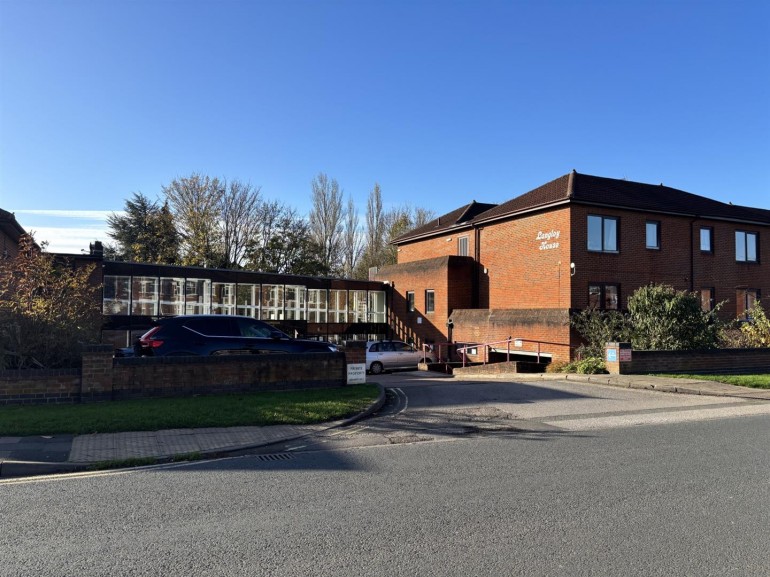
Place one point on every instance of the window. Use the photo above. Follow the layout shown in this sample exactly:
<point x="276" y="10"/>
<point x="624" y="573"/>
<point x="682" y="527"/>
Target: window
<point x="222" y="298"/>
<point x="338" y="306"/>
<point x="357" y="302"/>
<point x="272" y="302"/>
<point x="410" y="301"/>
<point x="430" y="301"/>
<point x="197" y="296"/>
<point x="603" y="296"/>
<point x="745" y="299"/>
<point x="116" y="295"/>
<point x="602" y="233"/>
<point x="171" y="296"/>
<point x="376" y="306"/>
<point x="707" y="299"/>
<point x="144" y="295"/>
<point x="707" y="239"/>
<point x="653" y="234"/>
<point x="295" y="302"/>
<point x="745" y="246"/>
<point x="462" y="246"/>
<point x="317" y="305"/>
<point x="247" y="299"/>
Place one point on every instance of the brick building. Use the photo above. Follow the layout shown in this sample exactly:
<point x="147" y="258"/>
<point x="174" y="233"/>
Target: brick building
<point x="486" y="272"/>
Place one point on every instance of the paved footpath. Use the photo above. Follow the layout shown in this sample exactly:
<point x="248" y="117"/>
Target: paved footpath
<point x="24" y="456"/>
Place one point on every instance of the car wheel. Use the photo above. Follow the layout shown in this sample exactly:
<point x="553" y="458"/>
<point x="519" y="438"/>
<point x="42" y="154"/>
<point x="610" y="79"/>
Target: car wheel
<point x="376" y="368"/>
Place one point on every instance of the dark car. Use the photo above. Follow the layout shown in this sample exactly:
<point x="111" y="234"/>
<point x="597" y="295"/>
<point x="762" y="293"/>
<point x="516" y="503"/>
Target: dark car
<point x="200" y="335"/>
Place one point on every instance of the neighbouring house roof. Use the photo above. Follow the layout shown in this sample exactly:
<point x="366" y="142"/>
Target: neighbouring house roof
<point x="10" y="228"/>
<point x="601" y="191"/>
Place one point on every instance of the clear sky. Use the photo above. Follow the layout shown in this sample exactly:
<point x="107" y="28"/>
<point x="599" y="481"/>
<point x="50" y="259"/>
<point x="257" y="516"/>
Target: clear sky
<point x="440" y="102"/>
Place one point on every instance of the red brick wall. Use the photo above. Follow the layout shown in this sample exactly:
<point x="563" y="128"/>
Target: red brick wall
<point x="524" y="271"/>
<point x="39" y="387"/>
<point x="445" y="245"/>
<point x="105" y="378"/>
<point x="635" y="266"/>
<point x="746" y="361"/>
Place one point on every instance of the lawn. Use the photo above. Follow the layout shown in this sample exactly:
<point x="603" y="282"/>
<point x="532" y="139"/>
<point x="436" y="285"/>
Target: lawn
<point x="753" y="381"/>
<point x="279" y="408"/>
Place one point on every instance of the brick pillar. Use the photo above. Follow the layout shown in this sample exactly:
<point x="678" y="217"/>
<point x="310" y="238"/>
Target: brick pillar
<point x="96" y="373"/>
<point x="617" y="357"/>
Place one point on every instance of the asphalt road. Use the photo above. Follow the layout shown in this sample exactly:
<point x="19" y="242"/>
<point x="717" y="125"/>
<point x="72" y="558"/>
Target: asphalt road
<point x="476" y="494"/>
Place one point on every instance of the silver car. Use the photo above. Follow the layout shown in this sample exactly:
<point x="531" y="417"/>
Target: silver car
<point x="381" y="355"/>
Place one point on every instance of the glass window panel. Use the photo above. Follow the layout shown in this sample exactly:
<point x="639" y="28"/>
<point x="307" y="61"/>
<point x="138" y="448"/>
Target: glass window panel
<point x="116" y="297"/>
<point x="462" y="246"/>
<point x="430" y="301"/>
<point x="610" y="234"/>
<point x="272" y="302"/>
<point x="171" y="296"/>
<point x="594" y="233"/>
<point x="246" y="299"/>
<point x="705" y="239"/>
<point x="594" y="296"/>
<point x="197" y="296"/>
<point x="295" y="302"/>
<point x="317" y="305"/>
<point x="357" y="301"/>
<point x="410" y="301"/>
<point x="377" y="306"/>
<point x="751" y="247"/>
<point x="144" y="295"/>
<point x="223" y="298"/>
<point x="338" y="306"/>
<point x="740" y="246"/>
<point x="611" y="297"/>
<point x="652" y="235"/>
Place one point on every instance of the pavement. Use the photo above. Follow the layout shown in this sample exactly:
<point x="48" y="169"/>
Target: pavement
<point x="51" y="454"/>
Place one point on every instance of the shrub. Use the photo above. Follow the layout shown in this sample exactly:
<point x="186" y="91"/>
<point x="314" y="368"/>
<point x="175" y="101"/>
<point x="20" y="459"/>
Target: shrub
<point x="587" y="366"/>
<point x="756" y="331"/>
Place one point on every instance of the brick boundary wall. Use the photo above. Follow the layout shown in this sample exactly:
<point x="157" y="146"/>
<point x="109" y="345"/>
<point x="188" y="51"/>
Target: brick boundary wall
<point x="709" y="361"/>
<point x="500" y="368"/>
<point x="104" y="378"/>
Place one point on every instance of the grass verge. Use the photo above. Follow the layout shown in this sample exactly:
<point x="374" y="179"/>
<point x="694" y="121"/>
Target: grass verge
<point x="231" y="410"/>
<point x="753" y="381"/>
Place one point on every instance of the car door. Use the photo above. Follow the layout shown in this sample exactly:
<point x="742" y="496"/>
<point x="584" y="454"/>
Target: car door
<point x="408" y="356"/>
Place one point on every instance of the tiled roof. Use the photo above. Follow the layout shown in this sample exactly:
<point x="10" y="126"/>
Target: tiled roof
<point x="463" y="215"/>
<point x="602" y="191"/>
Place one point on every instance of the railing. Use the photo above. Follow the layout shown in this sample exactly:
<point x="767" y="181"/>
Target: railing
<point x="517" y="343"/>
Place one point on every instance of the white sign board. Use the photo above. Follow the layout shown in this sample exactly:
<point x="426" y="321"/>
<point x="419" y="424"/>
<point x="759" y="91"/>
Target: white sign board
<point x="356" y="373"/>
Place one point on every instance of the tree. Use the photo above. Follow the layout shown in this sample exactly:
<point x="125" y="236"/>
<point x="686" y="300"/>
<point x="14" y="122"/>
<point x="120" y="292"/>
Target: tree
<point x="283" y="243"/>
<point x="196" y="203"/>
<point x="48" y="309"/>
<point x="144" y="233"/>
<point x="666" y="319"/>
<point x="326" y="218"/>
<point x="240" y="209"/>
<point x="351" y="241"/>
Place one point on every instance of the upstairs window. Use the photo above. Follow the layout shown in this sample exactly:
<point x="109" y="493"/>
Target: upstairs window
<point x="745" y="246"/>
<point x="653" y="234"/>
<point x="707" y="239"/>
<point x="430" y="301"/>
<point x="462" y="246"/>
<point x="410" y="301"/>
<point x="602" y="233"/>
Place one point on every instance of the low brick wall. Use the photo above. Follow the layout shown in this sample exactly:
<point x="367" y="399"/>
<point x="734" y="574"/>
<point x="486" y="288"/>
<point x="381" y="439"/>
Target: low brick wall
<point x="500" y="368"/>
<point x="38" y="387"/>
<point x="725" y="361"/>
<point x="104" y="378"/>
<point x="187" y="376"/>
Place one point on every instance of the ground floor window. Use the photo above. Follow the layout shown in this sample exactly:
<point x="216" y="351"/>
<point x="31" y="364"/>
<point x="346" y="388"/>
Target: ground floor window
<point x="223" y="298"/>
<point x="376" y="306"/>
<point x="707" y="298"/>
<point x="316" y="305"/>
<point x="603" y="296"/>
<point x="746" y="298"/>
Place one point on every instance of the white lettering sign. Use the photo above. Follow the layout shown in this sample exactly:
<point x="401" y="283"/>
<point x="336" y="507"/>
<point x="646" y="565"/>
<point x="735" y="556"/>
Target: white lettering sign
<point x="547" y="239"/>
<point x="356" y="373"/>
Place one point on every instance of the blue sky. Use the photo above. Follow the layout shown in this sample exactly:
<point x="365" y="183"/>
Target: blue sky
<point x="440" y="102"/>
